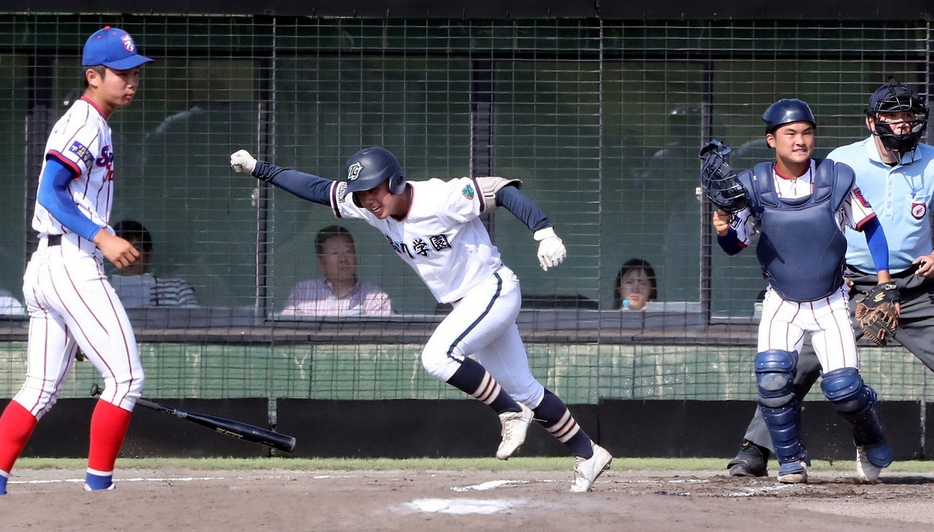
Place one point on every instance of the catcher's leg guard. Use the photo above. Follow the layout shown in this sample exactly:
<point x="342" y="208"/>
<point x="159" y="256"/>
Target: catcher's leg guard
<point x="857" y="404"/>
<point x="775" y="373"/>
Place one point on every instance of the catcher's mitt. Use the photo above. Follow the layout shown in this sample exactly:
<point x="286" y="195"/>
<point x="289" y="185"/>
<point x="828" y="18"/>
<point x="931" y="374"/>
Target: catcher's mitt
<point x="719" y="180"/>
<point x="876" y="313"/>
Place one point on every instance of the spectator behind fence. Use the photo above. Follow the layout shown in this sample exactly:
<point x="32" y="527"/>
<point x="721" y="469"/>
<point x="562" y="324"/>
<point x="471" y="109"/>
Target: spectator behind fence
<point x="340" y="292"/>
<point x="636" y="285"/>
<point x="136" y="286"/>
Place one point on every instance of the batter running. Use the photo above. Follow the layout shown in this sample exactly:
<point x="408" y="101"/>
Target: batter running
<point x="70" y="302"/>
<point x="434" y="226"/>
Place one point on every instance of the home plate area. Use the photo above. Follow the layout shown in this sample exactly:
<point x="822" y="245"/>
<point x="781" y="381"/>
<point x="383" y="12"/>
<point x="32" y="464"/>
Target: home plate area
<point x="425" y="500"/>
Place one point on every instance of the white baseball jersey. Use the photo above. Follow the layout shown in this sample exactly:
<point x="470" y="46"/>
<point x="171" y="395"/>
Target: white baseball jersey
<point x="445" y="242"/>
<point x="855" y="212"/>
<point x="442" y="238"/>
<point x="71" y="303"/>
<point x="81" y="139"/>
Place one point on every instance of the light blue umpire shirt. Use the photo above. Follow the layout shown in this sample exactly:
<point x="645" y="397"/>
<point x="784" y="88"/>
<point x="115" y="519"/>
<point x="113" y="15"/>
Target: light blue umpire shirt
<point x="901" y="196"/>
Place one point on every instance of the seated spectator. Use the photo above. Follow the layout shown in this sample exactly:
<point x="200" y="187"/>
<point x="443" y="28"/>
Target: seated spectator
<point x="339" y="292"/>
<point x="9" y="305"/>
<point x="636" y="285"/>
<point x="136" y="286"/>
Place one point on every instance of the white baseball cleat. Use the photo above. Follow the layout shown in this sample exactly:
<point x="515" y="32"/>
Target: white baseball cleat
<point x="111" y="487"/>
<point x="586" y="470"/>
<point x="866" y="471"/>
<point x="515" y="426"/>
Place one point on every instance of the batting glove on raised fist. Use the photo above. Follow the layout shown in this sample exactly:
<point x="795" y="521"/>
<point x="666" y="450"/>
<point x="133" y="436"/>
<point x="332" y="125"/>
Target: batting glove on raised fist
<point x="242" y="162"/>
<point x="551" y="250"/>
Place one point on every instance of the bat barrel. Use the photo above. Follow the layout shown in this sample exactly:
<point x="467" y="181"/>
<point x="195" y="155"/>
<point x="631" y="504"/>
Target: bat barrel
<point x="228" y="427"/>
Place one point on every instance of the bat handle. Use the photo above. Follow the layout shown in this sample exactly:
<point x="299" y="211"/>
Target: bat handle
<point x="95" y="390"/>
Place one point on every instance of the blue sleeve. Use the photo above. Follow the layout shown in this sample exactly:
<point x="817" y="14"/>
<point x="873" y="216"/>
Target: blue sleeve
<point x="729" y="242"/>
<point x="306" y="186"/>
<point x="878" y="246"/>
<point x="53" y="195"/>
<point x="514" y="201"/>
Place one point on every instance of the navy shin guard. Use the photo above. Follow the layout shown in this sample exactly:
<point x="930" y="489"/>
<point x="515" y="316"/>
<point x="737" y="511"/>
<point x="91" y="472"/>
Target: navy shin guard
<point x="858" y="405"/>
<point x="775" y="374"/>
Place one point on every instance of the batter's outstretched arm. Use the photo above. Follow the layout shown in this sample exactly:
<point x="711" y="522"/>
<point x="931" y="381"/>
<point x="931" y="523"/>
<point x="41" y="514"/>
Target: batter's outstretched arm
<point x="306" y="186"/>
<point x="53" y="195"/>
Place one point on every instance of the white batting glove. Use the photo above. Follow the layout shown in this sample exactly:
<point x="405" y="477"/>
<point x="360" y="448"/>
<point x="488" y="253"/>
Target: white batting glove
<point x="551" y="250"/>
<point x="242" y="162"/>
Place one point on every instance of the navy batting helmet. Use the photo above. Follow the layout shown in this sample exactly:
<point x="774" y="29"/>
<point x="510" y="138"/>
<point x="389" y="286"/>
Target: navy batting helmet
<point x="786" y="111"/>
<point x="369" y="167"/>
<point x="897" y="98"/>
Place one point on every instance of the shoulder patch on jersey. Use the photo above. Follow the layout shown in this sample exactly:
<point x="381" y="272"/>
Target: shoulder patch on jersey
<point x="82" y="152"/>
<point x="468" y="192"/>
<point x="353" y="171"/>
<point x="341" y="191"/>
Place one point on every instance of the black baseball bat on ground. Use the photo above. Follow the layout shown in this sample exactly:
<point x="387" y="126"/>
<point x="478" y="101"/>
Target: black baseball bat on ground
<point x="228" y="427"/>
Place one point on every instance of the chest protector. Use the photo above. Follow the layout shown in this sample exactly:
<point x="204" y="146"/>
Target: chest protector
<point x="801" y="248"/>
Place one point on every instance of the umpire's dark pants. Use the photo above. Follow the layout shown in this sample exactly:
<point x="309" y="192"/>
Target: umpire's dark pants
<point x="915" y="332"/>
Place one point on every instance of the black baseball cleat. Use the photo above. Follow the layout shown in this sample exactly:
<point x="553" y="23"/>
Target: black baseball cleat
<point x="751" y="461"/>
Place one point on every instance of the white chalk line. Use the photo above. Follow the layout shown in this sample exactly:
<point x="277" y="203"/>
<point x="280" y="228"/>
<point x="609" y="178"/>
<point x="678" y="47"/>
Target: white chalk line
<point x="118" y="480"/>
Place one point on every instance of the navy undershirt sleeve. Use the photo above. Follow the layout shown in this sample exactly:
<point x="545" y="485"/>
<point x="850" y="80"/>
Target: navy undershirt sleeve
<point x="53" y="195"/>
<point x="306" y="186"/>
<point x="878" y="246"/>
<point x="514" y="201"/>
<point x="729" y="242"/>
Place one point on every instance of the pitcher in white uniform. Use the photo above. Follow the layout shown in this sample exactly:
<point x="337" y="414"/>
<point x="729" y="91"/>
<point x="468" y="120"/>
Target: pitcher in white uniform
<point x="434" y="226"/>
<point x="70" y="302"/>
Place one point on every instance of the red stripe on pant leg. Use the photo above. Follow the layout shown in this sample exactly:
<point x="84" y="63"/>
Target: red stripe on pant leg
<point x="109" y="424"/>
<point x="16" y="425"/>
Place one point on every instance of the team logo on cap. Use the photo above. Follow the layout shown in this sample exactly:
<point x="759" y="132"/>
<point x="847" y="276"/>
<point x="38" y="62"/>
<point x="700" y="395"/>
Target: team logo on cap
<point x="353" y="172"/>
<point x="918" y="210"/>
<point x="128" y="42"/>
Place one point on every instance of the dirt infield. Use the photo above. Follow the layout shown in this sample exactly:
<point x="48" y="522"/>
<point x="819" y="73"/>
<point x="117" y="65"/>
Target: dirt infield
<point x="179" y="499"/>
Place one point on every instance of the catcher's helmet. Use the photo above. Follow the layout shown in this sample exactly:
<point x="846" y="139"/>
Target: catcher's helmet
<point x="369" y="167"/>
<point x="897" y="98"/>
<point x="786" y="111"/>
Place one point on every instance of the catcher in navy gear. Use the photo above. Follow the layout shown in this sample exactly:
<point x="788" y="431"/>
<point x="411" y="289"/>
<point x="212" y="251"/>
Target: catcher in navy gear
<point x="895" y="172"/>
<point x="798" y="208"/>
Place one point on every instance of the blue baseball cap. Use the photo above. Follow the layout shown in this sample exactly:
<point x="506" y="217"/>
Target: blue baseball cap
<point x="112" y="47"/>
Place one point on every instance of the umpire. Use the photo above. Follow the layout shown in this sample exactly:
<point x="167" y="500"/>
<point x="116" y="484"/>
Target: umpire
<point x="895" y="173"/>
